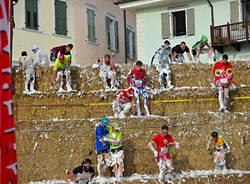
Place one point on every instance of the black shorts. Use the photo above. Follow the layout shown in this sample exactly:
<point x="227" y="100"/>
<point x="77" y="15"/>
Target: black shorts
<point x="102" y="151"/>
<point x="194" y="53"/>
<point x="116" y="150"/>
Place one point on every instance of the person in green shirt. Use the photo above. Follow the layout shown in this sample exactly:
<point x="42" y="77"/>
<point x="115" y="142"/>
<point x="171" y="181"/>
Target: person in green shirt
<point x="61" y="69"/>
<point x="198" y="48"/>
<point x="117" y="155"/>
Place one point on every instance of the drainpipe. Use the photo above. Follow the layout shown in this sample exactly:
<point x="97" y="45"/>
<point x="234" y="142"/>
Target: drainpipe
<point x="212" y="11"/>
<point x="125" y="36"/>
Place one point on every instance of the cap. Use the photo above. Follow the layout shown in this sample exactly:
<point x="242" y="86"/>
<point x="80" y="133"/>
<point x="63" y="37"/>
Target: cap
<point x="87" y="160"/>
<point x="116" y="126"/>
<point x="214" y="134"/>
<point x="61" y="57"/>
<point x="131" y="91"/>
<point x="34" y="47"/>
<point x="204" y="38"/>
<point x="105" y="121"/>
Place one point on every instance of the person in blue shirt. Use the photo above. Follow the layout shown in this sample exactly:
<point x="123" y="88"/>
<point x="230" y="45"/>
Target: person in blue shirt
<point x="102" y="147"/>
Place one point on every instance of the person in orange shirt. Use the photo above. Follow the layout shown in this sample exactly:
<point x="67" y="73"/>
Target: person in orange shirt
<point x="222" y="78"/>
<point x="221" y="149"/>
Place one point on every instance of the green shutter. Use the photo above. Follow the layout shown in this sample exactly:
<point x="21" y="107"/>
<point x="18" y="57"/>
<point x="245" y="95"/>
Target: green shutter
<point x="234" y="11"/>
<point x="116" y="37"/>
<point x="31" y="14"/>
<point x="107" y="21"/>
<point x="165" y="25"/>
<point x="191" y="23"/>
<point x="60" y="17"/>
<point x="127" y="41"/>
<point x="89" y="23"/>
<point x="93" y="32"/>
<point x="133" y="44"/>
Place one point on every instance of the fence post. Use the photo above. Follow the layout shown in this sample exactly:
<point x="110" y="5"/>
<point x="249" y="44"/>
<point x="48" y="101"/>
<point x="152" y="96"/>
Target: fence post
<point x="247" y="36"/>
<point x="228" y="33"/>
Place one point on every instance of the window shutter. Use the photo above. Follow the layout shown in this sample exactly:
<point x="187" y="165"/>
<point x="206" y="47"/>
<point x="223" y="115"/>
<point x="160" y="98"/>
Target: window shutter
<point x="93" y="26"/>
<point x="28" y="12"/>
<point x="127" y="41"/>
<point x="116" y="36"/>
<point x="133" y="44"/>
<point x="234" y="11"/>
<point x="107" y="21"/>
<point x="165" y="25"/>
<point x="190" y="22"/>
<point x="35" y="15"/>
<point x="61" y="17"/>
<point x="89" y="24"/>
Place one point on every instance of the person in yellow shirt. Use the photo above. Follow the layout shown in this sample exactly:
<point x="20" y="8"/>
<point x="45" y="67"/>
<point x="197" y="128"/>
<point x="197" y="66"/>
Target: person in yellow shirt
<point x="221" y="149"/>
<point x="61" y="70"/>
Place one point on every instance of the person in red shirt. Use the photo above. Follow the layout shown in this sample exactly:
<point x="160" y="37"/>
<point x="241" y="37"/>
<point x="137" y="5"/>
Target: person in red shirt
<point x="123" y="102"/>
<point x="162" y="155"/>
<point x="222" y="78"/>
<point x="138" y="81"/>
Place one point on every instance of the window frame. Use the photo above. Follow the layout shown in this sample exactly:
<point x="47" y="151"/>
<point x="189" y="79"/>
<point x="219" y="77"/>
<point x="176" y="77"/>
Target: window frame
<point x="131" y="55"/>
<point x="93" y="8"/>
<point x="171" y="22"/>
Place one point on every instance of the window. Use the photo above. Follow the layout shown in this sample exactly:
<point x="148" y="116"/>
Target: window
<point x="60" y="17"/>
<point x="91" y="24"/>
<point x="31" y="14"/>
<point x="112" y="33"/>
<point x="179" y="23"/>
<point x="246" y="10"/>
<point x="130" y="42"/>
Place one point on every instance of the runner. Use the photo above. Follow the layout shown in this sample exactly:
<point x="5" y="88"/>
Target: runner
<point x="164" y="54"/>
<point x="61" y="70"/>
<point x="198" y="48"/>
<point x="117" y="155"/>
<point x="26" y="63"/>
<point x="222" y="78"/>
<point x="178" y="52"/>
<point x="83" y="174"/>
<point x="221" y="149"/>
<point x="123" y="102"/>
<point x="42" y="59"/>
<point x="162" y="155"/>
<point x="137" y="80"/>
<point x="102" y="147"/>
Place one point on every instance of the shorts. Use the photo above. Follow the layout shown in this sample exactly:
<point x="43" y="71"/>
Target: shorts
<point x="102" y="151"/>
<point x="117" y="156"/>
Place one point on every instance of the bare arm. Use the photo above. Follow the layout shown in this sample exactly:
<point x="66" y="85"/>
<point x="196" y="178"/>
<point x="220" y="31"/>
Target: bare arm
<point x="53" y="76"/>
<point x="189" y="56"/>
<point x="198" y="53"/>
<point x="211" y="48"/>
<point x="174" y="56"/>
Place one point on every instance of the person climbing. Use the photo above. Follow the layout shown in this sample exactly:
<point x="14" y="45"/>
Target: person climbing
<point x="178" y="52"/>
<point x="164" y="54"/>
<point x="61" y="70"/>
<point x="42" y="59"/>
<point x="116" y="150"/>
<point x="26" y="63"/>
<point x="222" y="78"/>
<point x="163" y="158"/>
<point x="102" y="147"/>
<point x="222" y="149"/>
<point x="83" y="174"/>
<point x="123" y="102"/>
<point x="138" y="81"/>
<point x="198" y="48"/>
<point x="108" y="72"/>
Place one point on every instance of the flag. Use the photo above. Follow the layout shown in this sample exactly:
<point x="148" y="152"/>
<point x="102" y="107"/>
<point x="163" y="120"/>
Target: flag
<point x="8" y="162"/>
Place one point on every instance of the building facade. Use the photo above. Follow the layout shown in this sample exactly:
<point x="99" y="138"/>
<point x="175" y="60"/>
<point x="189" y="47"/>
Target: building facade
<point x="94" y="27"/>
<point x="188" y="20"/>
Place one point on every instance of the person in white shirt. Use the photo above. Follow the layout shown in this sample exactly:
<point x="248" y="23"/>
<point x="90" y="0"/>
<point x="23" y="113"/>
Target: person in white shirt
<point x="42" y="59"/>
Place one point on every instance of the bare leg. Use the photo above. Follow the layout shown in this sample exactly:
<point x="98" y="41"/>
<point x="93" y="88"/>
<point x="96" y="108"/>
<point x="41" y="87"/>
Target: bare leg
<point x="226" y="96"/>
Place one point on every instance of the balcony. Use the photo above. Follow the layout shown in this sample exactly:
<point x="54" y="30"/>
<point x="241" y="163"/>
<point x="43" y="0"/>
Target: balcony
<point x="230" y="35"/>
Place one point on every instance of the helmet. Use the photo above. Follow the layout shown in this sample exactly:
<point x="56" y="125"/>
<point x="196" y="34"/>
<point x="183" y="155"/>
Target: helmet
<point x="116" y="126"/>
<point x="214" y="134"/>
<point x="34" y="47"/>
<point x="131" y="91"/>
<point x="105" y="121"/>
<point x="204" y="38"/>
<point x="61" y="57"/>
<point x="87" y="160"/>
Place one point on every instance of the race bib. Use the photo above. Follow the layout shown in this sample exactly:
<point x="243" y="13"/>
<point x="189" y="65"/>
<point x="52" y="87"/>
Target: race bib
<point x="164" y="150"/>
<point x="223" y="81"/>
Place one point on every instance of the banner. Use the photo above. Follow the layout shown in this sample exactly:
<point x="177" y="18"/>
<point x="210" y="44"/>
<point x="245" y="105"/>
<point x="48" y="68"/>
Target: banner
<point x="8" y="162"/>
